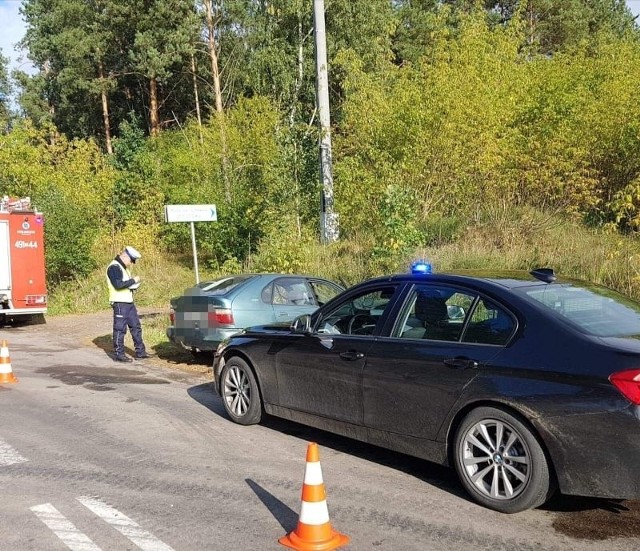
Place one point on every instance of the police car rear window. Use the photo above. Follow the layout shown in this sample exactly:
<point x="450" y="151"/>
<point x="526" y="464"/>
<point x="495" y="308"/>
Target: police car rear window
<point x="594" y="310"/>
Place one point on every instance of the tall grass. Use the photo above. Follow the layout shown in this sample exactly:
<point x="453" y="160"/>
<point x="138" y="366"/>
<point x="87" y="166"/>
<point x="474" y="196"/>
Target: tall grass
<point x="521" y="241"/>
<point x="570" y="249"/>
<point x="162" y="277"/>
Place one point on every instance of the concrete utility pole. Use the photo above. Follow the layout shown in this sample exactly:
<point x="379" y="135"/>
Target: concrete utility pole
<point x="329" y="229"/>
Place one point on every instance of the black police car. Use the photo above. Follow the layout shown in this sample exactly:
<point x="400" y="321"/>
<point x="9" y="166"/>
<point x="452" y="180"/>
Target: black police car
<point x="523" y="382"/>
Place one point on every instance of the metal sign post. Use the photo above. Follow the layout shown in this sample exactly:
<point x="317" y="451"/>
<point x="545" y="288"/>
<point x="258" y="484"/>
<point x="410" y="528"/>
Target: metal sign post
<point x="191" y="214"/>
<point x="195" y="252"/>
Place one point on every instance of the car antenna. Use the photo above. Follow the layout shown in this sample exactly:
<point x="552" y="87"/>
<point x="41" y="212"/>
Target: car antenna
<point x="544" y="274"/>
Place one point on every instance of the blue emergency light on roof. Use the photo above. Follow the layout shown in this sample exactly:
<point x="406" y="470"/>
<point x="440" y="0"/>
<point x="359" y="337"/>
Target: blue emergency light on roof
<point x="420" y="267"/>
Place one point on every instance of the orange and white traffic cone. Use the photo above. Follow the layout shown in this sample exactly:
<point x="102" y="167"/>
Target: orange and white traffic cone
<point x="314" y="532"/>
<point x="6" y="373"/>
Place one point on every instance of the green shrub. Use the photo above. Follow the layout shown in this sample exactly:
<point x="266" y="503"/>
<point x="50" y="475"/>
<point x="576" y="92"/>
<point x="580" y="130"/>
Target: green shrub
<point x="69" y="234"/>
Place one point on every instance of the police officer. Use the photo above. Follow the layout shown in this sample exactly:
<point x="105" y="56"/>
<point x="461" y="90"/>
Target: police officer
<point x="121" y="286"/>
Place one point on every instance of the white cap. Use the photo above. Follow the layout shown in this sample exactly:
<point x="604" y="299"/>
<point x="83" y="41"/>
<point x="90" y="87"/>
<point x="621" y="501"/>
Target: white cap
<point x="133" y="253"/>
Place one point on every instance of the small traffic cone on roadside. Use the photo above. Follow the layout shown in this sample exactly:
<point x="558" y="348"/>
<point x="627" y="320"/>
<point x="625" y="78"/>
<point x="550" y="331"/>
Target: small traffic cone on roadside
<point x="6" y="373"/>
<point x="314" y="532"/>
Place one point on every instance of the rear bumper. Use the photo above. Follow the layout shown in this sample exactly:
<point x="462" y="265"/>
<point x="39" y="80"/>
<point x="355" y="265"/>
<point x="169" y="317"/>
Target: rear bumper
<point x="196" y="339"/>
<point x="13" y="312"/>
<point x="596" y="455"/>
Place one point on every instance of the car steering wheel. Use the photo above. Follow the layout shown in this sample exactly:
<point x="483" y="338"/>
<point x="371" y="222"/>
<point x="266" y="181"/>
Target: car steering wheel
<point x="364" y="319"/>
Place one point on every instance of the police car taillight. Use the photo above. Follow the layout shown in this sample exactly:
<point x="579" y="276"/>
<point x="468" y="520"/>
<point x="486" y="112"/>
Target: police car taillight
<point x="220" y="316"/>
<point x="172" y="315"/>
<point x="628" y="383"/>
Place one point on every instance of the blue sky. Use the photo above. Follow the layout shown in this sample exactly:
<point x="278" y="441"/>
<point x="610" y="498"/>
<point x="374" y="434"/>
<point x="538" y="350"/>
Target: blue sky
<point x="634" y="6"/>
<point x="12" y="30"/>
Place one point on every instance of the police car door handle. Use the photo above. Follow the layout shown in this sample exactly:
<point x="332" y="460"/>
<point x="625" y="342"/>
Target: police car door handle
<point x="461" y="363"/>
<point x="351" y="355"/>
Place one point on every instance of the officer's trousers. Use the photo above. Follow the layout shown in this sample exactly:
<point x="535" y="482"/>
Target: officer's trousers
<point x="125" y="315"/>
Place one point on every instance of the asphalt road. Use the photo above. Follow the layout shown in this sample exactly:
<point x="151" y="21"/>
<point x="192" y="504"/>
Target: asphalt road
<point x="96" y="455"/>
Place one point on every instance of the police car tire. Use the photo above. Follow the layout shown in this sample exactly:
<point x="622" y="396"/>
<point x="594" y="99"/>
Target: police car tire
<point x="240" y="393"/>
<point x="539" y="485"/>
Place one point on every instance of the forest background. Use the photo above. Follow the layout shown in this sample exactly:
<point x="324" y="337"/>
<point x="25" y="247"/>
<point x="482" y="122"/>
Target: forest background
<point x="475" y="133"/>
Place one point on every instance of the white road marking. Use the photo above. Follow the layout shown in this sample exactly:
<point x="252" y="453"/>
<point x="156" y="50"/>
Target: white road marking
<point x="63" y="528"/>
<point x="9" y="456"/>
<point x="127" y="527"/>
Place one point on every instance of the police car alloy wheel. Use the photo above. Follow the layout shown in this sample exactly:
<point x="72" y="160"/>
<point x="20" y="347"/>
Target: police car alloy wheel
<point x="240" y="394"/>
<point x="500" y="462"/>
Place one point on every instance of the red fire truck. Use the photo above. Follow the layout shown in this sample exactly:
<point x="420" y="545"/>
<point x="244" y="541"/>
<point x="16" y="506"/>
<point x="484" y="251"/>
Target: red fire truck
<point x="23" y="291"/>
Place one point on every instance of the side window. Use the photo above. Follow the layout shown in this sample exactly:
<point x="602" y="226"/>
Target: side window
<point x="489" y="324"/>
<point x="267" y="293"/>
<point x="299" y="293"/>
<point x="360" y="315"/>
<point x="323" y="291"/>
<point x="290" y="292"/>
<point x="435" y="313"/>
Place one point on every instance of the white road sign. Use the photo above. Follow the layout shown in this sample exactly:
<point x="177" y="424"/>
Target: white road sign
<point x="190" y="213"/>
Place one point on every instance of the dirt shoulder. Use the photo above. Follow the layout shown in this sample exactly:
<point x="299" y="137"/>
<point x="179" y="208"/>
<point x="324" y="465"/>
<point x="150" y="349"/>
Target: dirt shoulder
<point x="95" y="330"/>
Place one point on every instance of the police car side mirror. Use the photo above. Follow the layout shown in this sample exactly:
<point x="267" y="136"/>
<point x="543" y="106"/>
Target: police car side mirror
<point x="302" y="324"/>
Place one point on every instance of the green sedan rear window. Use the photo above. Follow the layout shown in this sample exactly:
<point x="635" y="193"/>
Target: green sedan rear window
<point x="222" y="286"/>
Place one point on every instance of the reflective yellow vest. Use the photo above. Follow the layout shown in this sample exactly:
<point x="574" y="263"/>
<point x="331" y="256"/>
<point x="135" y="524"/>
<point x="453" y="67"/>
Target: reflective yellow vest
<point x="119" y="295"/>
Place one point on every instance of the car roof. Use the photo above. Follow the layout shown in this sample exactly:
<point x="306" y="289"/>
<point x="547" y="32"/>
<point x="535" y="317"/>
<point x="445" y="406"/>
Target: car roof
<point x="244" y="280"/>
<point x="512" y="279"/>
<point x="249" y="275"/>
